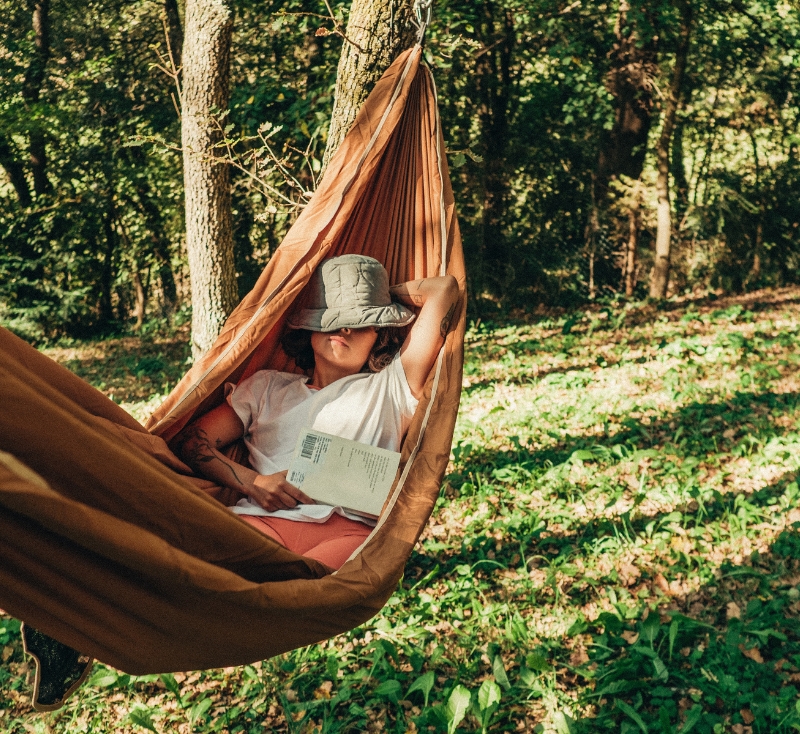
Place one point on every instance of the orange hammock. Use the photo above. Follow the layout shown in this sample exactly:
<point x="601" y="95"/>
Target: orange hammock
<point x="110" y="546"/>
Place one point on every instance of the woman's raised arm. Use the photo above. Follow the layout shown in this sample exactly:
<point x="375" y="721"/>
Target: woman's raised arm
<point x="437" y="299"/>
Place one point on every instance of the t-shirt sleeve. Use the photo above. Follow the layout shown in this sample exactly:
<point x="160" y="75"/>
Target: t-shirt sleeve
<point x="248" y="398"/>
<point x="399" y="388"/>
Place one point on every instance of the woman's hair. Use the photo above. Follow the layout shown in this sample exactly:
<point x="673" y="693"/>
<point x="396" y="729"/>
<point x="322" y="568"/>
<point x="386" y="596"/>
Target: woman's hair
<point x="297" y="344"/>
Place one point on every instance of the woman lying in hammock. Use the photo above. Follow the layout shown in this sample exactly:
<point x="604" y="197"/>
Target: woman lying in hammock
<point x="358" y="387"/>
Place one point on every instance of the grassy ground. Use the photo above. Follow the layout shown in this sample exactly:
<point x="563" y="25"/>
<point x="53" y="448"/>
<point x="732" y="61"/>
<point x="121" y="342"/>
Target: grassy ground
<point x="615" y="549"/>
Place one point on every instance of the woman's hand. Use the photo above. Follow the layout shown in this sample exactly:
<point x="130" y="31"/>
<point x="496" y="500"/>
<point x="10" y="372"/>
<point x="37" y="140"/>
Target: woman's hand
<point x="273" y="492"/>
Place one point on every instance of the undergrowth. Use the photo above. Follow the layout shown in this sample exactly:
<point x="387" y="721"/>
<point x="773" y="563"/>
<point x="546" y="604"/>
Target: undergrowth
<point x="616" y="548"/>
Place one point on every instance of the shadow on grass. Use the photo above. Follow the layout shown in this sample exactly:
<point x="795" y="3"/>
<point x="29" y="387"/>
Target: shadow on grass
<point x="733" y="669"/>
<point x="695" y="430"/>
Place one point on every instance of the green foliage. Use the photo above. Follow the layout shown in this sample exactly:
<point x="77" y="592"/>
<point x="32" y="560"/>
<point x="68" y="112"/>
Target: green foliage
<point x="524" y="90"/>
<point x="616" y="548"/>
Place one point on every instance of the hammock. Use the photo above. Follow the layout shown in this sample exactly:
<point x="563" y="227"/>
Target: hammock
<point x="109" y="545"/>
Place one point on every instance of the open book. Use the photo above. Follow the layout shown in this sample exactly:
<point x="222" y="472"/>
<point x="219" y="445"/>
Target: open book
<point x="344" y="473"/>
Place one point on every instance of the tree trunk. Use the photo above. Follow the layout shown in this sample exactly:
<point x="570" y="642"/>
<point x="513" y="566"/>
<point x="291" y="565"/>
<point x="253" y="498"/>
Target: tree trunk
<point x="34" y="78"/>
<point x="660" y="275"/>
<point x="493" y="88"/>
<point x="174" y="31"/>
<point x="632" y="244"/>
<point x="623" y="148"/>
<point x="377" y="31"/>
<point x="209" y="240"/>
<point x="15" y="171"/>
<point x="633" y="65"/>
<point x="678" y="172"/>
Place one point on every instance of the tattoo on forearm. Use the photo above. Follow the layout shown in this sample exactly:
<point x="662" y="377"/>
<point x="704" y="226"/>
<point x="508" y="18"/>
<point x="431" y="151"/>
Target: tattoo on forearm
<point x="195" y="448"/>
<point x="448" y="317"/>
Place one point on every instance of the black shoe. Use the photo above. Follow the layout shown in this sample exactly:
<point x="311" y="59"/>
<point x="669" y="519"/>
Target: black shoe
<point x="59" y="669"/>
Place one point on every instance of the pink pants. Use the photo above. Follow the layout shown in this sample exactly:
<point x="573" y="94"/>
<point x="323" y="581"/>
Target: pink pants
<point x="330" y="542"/>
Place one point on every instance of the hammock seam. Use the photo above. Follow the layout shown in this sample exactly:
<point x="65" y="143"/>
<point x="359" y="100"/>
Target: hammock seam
<point x="440" y="359"/>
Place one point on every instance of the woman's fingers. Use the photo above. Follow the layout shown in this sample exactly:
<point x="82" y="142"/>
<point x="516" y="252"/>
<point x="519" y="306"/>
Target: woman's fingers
<point x="273" y="492"/>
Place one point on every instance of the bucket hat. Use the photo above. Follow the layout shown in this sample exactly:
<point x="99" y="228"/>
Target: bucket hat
<point x="349" y="291"/>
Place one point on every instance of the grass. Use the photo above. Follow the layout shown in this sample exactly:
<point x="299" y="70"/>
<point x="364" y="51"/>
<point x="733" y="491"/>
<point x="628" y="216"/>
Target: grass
<point x="616" y="548"/>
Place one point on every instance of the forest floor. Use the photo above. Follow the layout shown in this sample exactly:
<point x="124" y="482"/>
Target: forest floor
<point x="615" y="548"/>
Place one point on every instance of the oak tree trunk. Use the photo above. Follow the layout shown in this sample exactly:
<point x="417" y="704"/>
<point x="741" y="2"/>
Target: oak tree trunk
<point x="377" y="31"/>
<point x="209" y="240"/>
<point x="659" y="278"/>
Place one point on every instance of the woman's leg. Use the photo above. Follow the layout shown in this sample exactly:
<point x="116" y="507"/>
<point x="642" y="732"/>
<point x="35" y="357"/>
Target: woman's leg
<point x="330" y="542"/>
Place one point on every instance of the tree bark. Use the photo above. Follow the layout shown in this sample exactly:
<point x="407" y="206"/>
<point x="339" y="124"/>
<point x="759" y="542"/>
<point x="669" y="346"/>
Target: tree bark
<point x="377" y="31"/>
<point x="494" y="87"/>
<point x="34" y="79"/>
<point x="174" y="31"/>
<point x="633" y="65"/>
<point x="659" y="278"/>
<point x="623" y="148"/>
<point x="632" y="244"/>
<point x="209" y="240"/>
<point x="15" y="171"/>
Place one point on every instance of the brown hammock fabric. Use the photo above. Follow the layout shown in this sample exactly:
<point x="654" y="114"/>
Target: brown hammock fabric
<point x="107" y="542"/>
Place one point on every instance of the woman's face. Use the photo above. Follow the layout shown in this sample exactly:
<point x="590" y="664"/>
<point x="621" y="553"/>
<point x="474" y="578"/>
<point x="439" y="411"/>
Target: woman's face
<point x="345" y="349"/>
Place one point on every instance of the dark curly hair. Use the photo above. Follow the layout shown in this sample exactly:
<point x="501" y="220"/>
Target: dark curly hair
<point x="297" y="344"/>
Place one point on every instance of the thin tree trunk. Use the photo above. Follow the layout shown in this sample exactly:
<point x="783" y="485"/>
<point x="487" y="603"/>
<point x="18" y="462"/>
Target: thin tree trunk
<point x="34" y="79"/>
<point x="174" y="31"/>
<point x="632" y="244"/>
<point x="209" y="240"/>
<point x="15" y="171"/>
<point x="107" y="271"/>
<point x="633" y="65"/>
<point x="660" y="275"/>
<point x="494" y="88"/>
<point x="678" y="172"/>
<point x="377" y="31"/>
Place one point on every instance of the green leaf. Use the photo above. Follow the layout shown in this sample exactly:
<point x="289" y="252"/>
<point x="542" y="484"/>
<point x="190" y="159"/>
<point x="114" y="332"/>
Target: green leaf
<point x="457" y="707"/>
<point x="692" y="717"/>
<point x="673" y="633"/>
<point x="459" y="159"/>
<point x="389" y="689"/>
<point x="103" y="678"/>
<point x="424" y="684"/>
<point x="564" y="724"/>
<point x="629" y="711"/>
<point x="661" y="670"/>
<point x="538" y="662"/>
<point x="141" y="716"/>
<point x="488" y="694"/>
<point x="171" y="685"/>
<point x="500" y="672"/>
<point x="199" y="710"/>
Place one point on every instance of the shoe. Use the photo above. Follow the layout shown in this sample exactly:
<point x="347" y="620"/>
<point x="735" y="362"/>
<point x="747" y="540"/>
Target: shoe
<point x="59" y="669"/>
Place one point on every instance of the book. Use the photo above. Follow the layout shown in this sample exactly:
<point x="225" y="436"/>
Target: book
<point x="343" y="473"/>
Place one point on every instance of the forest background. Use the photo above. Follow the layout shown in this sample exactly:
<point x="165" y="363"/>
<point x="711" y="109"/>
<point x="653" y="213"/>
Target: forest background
<point x="568" y="125"/>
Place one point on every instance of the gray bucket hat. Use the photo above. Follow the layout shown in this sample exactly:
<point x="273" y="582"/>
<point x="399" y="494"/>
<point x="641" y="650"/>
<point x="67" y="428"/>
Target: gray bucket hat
<point x="349" y="291"/>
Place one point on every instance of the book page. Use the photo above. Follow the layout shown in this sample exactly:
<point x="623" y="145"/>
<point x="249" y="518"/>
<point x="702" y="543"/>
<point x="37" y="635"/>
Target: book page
<point x="341" y="472"/>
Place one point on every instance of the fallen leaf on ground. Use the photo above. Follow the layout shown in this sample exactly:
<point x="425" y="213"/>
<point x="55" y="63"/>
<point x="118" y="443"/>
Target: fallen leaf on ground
<point x="733" y="610"/>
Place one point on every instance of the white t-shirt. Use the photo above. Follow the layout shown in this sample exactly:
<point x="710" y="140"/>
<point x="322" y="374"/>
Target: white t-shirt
<point x="275" y="407"/>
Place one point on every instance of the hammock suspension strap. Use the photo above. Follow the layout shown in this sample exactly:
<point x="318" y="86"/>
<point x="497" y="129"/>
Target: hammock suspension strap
<point x="422" y="10"/>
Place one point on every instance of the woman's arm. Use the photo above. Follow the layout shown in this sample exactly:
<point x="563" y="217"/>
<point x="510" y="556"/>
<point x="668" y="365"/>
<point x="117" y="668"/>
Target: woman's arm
<point x="200" y="445"/>
<point x="437" y="299"/>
